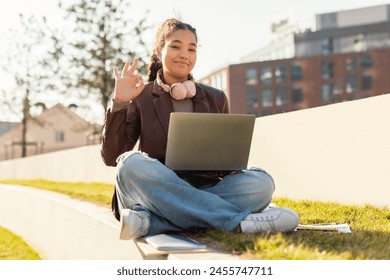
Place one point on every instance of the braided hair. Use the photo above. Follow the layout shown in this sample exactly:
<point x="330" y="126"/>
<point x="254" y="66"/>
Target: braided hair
<point x="166" y="29"/>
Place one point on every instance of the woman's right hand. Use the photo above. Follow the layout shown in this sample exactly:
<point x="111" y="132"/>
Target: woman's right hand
<point x="127" y="85"/>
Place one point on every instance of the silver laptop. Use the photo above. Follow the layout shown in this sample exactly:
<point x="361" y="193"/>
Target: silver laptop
<point x="207" y="142"/>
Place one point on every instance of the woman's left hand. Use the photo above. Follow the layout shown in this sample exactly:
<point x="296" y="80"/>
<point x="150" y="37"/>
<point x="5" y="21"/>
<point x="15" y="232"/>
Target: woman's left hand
<point x="128" y="85"/>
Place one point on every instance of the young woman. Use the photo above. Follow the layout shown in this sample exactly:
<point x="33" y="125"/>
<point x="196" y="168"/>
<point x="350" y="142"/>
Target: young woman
<point x="150" y="198"/>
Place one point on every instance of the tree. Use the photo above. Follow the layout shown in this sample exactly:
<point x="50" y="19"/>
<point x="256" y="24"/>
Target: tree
<point x="26" y="67"/>
<point x="101" y="36"/>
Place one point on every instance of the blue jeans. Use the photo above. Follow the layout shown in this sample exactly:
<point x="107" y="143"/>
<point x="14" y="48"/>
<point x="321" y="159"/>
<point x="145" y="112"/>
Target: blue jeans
<point x="144" y="183"/>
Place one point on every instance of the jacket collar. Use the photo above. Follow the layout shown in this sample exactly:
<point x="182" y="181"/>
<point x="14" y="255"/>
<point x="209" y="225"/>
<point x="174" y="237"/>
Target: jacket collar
<point x="163" y="104"/>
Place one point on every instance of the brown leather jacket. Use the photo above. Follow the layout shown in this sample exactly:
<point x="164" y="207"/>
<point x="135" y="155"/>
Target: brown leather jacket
<point x="146" y="119"/>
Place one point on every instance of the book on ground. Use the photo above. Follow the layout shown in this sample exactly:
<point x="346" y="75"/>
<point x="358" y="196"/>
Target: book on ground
<point x="326" y="227"/>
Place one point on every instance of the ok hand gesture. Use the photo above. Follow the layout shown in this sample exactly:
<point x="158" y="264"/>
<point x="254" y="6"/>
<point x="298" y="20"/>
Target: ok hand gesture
<point x="127" y="85"/>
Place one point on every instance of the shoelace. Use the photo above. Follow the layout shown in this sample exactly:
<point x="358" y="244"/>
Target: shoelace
<point x="262" y="224"/>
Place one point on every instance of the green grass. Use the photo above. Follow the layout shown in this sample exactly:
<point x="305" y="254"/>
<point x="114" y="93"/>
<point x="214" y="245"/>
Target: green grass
<point x="12" y="247"/>
<point x="97" y="193"/>
<point x="369" y="240"/>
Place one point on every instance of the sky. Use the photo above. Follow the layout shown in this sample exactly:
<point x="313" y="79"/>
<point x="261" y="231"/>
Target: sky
<point x="227" y="29"/>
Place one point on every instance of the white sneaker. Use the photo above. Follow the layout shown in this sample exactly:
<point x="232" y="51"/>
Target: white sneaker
<point x="275" y="219"/>
<point x="133" y="224"/>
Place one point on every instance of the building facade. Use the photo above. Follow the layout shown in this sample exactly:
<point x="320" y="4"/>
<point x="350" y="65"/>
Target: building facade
<point x="281" y="45"/>
<point x="347" y="58"/>
<point x="56" y="128"/>
<point x="271" y="87"/>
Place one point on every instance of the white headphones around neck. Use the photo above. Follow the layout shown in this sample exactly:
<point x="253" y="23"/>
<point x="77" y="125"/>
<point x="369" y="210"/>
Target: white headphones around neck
<point x="178" y="91"/>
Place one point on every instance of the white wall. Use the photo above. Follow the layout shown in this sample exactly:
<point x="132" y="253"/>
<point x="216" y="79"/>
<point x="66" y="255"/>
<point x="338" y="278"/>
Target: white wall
<point x="339" y="153"/>
<point x="82" y="164"/>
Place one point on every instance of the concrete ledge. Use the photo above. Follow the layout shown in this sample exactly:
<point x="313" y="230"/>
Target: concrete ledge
<point x="59" y="227"/>
<point x="151" y="253"/>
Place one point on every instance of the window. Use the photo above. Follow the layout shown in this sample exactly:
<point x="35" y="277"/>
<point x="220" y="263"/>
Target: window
<point x="327" y="46"/>
<point x="266" y="75"/>
<point x="223" y="75"/>
<point x="59" y="136"/>
<point x="351" y="63"/>
<point x="280" y="73"/>
<point x="251" y="99"/>
<point x="327" y="90"/>
<point x="218" y="80"/>
<point x="251" y="76"/>
<point x="351" y="84"/>
<point x="359" y="43"/>
<point x="366" y="61"/>
<point x="327" y="69"/>
<point x="296" y="94"/>
<point x="366" y="81"/>
<point x="338" y="86"/>
<point x="281" y="96"/>
<point x="296" y="71"/>
<point x="266" y="98"/>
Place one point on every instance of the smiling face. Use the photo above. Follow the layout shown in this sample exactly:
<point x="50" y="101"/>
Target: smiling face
<point x="178" y="56"/>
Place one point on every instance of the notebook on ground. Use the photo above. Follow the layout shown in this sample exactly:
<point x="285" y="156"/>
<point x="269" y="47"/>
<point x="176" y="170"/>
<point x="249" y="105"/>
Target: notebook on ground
<point x="207" y="142"/>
